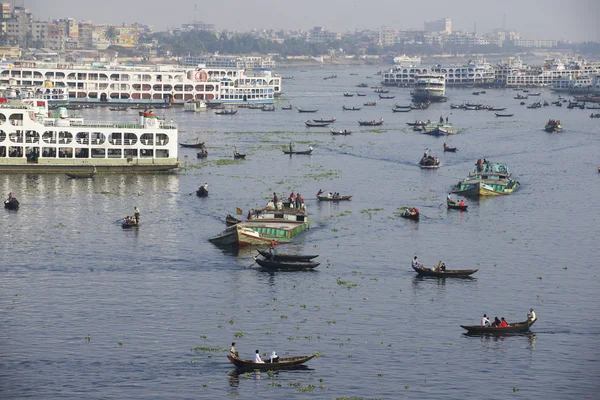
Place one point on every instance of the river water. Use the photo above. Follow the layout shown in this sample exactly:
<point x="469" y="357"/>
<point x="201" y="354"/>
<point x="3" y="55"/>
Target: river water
<point x="89" y="310"/>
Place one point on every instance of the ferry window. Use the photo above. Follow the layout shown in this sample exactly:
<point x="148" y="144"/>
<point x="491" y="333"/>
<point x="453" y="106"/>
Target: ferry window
<point x="130" y="153"/>
<point x="162" y="139"/>
<point x="178" y="88"/>
<point x="65" y="137"/>
<point x="2" y="118"/>
<point x="82" y="137"/>
<point x="114" y="153"/>
<point x="147" y="139"/>
<point x="93" y="95"/>
<point x="82" y="153"/>
<point x="157" y="88"/>
<point x="15" y="152"/>
<point x="2" y="151"/>
<point x="98" y="138"/>
<point x="162" y="153"/>
<point x="2" y="136"/>
<point x="114" y="77"/>
<point x="146" y="153"/>
<point x="16" y="137"/>
<point x="98" y="153"/>
<point x="189" y="88"/>
<point x="49" y="137"/>
<point x="65" y="152"/>
<point x="129" y="139"/>
<point x="167" y="88"/>
<point x="32" y="137"/>
<point x="16" y="119"/>
<point x="124" y="77"/>
<point x="115" y="138"/>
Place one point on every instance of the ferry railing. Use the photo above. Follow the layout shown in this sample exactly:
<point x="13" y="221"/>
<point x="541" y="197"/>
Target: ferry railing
<point x="119" y="125"/>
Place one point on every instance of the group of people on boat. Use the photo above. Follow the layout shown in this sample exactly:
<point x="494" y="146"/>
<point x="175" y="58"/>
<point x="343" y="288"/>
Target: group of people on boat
<point x="483" y="165"/>
<point x="257" y="358"/>
<point x="135" y="219"/>
<point x="296" y="200"/>
<point x="552" y="122"/>
<point x="442" y="119"/>
<point x="498" y="323"/>
<point x="441" y="267"/>
<point x="460" y="204"/>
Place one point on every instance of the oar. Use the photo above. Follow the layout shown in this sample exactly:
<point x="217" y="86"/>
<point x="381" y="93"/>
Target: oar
<point x="252" y="263"/>
<point x="118" y="220"/>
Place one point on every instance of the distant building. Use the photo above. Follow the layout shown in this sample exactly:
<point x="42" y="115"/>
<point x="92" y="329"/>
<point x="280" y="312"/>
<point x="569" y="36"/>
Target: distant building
<point x="441" y="25"/>
<point x="198" y="26"/>
<point x="535" y="43"/>
<point x="387" y="37"/>
<point x="320" y="35"/>
<point x="126" y="36"/>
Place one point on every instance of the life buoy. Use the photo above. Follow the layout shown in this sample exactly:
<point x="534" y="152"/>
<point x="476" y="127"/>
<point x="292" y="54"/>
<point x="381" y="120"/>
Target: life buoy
<point x="40" y="119"/>
<point x="198" y="76"/>
<point x="151" y="122"/>
<point x="502" y="169"/>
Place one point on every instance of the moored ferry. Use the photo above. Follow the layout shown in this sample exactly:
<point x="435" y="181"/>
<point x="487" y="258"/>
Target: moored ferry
<point x="475" y="73"/>
<point x="32" y="141"/>
<point x="489" y="179"/>
<point x="429" y="87"/>
<point x="159" y="84"/>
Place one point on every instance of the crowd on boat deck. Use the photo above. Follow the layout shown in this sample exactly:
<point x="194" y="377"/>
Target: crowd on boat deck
<point x="294" y="199"/>
<point x="483" y="165"/>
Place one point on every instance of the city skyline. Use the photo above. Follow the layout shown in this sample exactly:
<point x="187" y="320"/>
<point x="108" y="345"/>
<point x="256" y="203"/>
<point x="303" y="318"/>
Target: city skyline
<point x="532" y="20"/>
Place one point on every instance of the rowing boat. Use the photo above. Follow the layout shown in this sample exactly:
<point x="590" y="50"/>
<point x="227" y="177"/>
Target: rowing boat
<point x="518" y="327"/>
<point x="279" y="363"/>
<point x="286" y="265"/>
<point x="450" y="273"/>
<point x="337" y="198"/>
<point x="455" y="205"/>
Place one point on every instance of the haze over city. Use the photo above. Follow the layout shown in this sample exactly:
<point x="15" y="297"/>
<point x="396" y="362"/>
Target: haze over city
<point x="551" y="19"/>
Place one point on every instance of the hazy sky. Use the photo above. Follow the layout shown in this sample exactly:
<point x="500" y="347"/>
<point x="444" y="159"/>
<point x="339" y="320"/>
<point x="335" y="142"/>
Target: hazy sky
<point x="573" y="20"/>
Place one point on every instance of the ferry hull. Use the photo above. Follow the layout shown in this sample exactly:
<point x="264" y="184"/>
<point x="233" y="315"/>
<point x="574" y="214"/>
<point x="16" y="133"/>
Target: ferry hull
<point x="10" y="166"/>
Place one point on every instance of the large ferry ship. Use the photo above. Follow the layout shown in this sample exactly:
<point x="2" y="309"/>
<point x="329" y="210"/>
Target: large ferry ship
<point x="475" y="73"/>
<point x="555" y="72"/>
<point x="33" y="141"/>
<point x="121" y="84"/>
<point x="429" y="87"/>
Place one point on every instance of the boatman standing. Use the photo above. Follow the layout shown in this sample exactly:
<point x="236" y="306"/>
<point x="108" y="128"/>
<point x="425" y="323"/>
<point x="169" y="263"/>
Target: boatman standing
<point x="136" y="214"/>
<point x="232" y="351"/>
<point x="291" y="147"/>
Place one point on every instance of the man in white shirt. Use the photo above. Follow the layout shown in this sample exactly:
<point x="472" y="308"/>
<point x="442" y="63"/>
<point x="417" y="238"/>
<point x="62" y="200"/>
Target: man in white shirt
<point x="257" y="358"/>
<point x="531" y="315"/>
<point x="485" y="321"/>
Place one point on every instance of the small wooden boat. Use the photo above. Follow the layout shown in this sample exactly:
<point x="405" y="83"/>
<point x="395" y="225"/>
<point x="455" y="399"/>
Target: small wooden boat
<point x="328" y="120"/>
<point x="195" y="145"/>
<point x="338" y="198"/>
<point x="231" y="220"/>
<point x="305" y="152"/>
<point x="348" y="94"/>
<point x="351" y="108"/>
<point x="371" y="123"/>
<point x="312" y="124"/>
<point x="279" y="363"/>
<point x="286" y="107"/>
<point x="268" y="108"/>
<point x="370" y="104"/>
<point x="130" y="224"/>
<point x="417" y="123"/>
<point x="410" y="215"/>
<point x="11" y="204"/>
<point x="455" y="205"/>
<point x="503" y="115"/>
<point x="286" y="257"/>
<point x="361" y="94"/>
<point x="496" y="109"/>
<point x="238" y="155"/>
<point x="429" y="162"/>
<point x="449" y="273"/>
<point x="450" y="149"/>
<point x="306" y="110"/>
<point x="202" y="192"/>
<point x="401" y="109"/>
<point x="344" y="132"/>
<point x="286" y="265"/>
<point x="518" y="327"/>
<point x="381" y="90"/>
<point x="386" y="97"/>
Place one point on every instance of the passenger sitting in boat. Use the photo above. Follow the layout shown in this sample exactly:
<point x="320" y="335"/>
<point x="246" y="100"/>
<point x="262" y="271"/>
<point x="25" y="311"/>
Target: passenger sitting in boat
<point x="329" y="195"/>
<point x="441" y="120"/>
<point x="257" y="358"/>
<point x="443" y="267"/>
<point x="235" y="151"/>
<point x="485" y="321"/>
<point x="462" y="203"/>
<point x="503" y="324"/>
<point x="415" y="263"/>
<point x="496" y="322"/>
<point x="531" y="315"/>
<point x="414" y="211"/>
<point x="274" y="357"/>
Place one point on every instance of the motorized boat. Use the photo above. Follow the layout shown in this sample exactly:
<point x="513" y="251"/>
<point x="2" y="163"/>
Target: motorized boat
<point x="231" y="220"/>
<point x="503" y="115"/>
<point x="195" y="145"/>
<point x="371" y="123"/>
<point x="305" y="110"/>
<point x="311" y="124"/>
<point x="322" y="120"/>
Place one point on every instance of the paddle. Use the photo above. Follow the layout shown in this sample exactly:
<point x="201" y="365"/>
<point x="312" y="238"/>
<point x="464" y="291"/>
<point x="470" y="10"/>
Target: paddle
<point x="254" y="258"/>
<point x="118" y="220"/>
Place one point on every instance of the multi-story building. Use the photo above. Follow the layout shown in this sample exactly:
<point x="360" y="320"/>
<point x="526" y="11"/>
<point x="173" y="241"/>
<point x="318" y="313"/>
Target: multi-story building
<point x="387" y="37"/>
<point x="535" y="43"/>
<point x="440" y="25"/>
<point x="320" y="35"/>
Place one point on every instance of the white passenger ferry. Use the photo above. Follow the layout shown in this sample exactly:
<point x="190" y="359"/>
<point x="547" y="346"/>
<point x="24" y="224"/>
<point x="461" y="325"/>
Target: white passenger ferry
<point x="475" y="73"/>
<point x="429" y="87"/>
<point x="557" y="73"/>
<point x="33" y="141"/>
<point x="121" y="84"/>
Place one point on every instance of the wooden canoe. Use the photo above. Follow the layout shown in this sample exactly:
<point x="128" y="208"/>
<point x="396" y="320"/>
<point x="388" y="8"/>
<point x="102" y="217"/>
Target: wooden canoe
<point x="231" y="220"/>
<point x="338" y="198"/>
<point x="127" y="225"/>
<point x="407" y="214"/>
<point x="11" y="204"/>
<point x="287" y="257"/>
<point x="286" y="266"/>
<point x="450" y="149"/>
<point x="239" y="155"/>
<point x="316" y="124"/>
<point x="306" y="152"/>
<point x="281" y="363"/>
<point x="328" y="120"/>
<point x="519" y="327"/>
<point x="344" y="132"/>
<point x="201" y="192"/>
<point x="449" y="273"/>
<point x="193" y="145"/>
